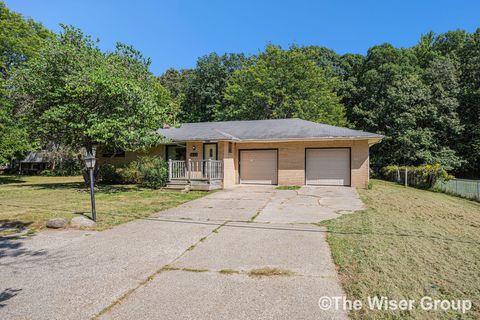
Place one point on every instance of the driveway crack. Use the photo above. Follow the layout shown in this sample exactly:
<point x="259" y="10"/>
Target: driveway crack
<point x="164" y="268"/>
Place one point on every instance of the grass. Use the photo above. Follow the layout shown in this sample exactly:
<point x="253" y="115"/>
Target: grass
<point x="288" y="187"/>
<point x="29" y="201"/>
<point x="194" y="270"/>
<point x="409" y="243"/>
<point x="269" y="272"/>
<point x="252" y="218"/>
<point x="228" y="271"/>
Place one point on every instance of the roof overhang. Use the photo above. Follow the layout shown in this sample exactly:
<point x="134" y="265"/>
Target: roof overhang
<point x="371" y="140"/>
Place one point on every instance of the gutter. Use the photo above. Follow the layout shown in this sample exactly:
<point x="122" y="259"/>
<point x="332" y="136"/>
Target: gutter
<point x="371" y="139"/>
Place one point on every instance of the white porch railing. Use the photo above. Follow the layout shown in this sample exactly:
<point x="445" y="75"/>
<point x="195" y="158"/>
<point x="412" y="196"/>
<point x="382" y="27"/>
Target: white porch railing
<point x="195" y="170"/>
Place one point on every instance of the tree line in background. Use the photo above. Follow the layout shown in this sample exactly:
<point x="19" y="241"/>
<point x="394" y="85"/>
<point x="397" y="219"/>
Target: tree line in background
<point x="61" y="89"/>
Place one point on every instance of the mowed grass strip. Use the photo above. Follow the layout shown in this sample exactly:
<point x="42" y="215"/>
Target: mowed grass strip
<point x="33" y="200"/>
<point x="409" y="243"/>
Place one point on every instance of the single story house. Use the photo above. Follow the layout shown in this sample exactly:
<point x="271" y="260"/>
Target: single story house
<point x="35" y="162"/>
<point x="210" y="155"/>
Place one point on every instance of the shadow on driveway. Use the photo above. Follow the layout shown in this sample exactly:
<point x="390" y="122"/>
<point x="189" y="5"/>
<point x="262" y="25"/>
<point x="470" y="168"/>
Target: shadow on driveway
<point x="7" y="294"/>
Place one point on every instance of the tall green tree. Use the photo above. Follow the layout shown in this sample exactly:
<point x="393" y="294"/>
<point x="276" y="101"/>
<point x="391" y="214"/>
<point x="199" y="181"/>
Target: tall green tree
<point x="281" y="84"/>
<point x="20" y="40"/>
<point x="469" y="108"/>
<point x="175" y="81"/>
<point x="75" y="95"/>
<point x="414" y="108"/>
<point x="205" y="87"/>
<point x="14" y="139"/>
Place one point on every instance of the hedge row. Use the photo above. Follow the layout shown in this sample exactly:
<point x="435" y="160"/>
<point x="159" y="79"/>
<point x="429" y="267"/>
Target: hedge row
<point x="423" y="177"/>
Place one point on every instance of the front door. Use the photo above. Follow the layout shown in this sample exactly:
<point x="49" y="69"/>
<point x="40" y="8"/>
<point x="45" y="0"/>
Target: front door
<point x="210" y="151"/>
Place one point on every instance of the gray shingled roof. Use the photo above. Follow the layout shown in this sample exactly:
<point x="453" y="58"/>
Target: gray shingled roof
<point x="35" y="157"/>
<point x="277" y="129"/>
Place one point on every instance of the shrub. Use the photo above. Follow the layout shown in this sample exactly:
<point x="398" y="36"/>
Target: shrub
<point x="68" y="167"/>
<point x="423" y="177"/>
<point x="131" y="173"/>
<point x="150" y="172"/>
<point x="47" y="173"/>
<point x="108" y="173"/>
<point x="65" y="167"/>
<point x="153" y="172"/>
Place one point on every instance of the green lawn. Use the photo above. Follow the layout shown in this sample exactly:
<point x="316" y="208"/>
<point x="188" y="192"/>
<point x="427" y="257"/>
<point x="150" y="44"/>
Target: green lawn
<point x="30" y="201"/>
<point x="409" y="243"/>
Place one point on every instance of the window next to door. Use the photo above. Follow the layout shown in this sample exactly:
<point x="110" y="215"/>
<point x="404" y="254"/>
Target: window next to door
<point x="176" y="152"/>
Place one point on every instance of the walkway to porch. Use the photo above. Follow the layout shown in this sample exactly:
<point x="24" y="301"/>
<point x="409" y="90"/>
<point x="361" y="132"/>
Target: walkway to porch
<point x="199" y="174"/>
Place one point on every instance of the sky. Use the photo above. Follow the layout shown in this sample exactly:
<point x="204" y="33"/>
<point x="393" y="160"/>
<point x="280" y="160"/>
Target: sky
<point x="175" y="33"/>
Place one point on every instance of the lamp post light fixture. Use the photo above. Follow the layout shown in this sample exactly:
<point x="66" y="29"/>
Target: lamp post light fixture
<point x="90" y="161"/>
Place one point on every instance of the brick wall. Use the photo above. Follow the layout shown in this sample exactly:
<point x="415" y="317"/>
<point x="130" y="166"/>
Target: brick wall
<point x="291" y="159"/>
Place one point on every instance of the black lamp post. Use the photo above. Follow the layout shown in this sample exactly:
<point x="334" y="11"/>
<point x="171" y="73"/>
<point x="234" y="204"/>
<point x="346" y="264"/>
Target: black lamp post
<point x="90" y="164"/>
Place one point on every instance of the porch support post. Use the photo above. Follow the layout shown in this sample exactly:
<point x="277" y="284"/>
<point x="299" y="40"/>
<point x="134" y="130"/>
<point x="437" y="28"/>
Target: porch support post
<point x="189" y="163"/>
<point x="209" y="169"/>
<point x="170" y="165"/>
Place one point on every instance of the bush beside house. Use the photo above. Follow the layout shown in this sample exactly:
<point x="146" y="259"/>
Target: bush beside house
<point x="149" y="172"/>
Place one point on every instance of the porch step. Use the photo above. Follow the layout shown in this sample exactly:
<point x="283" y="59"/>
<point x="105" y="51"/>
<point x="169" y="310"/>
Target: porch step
<point x="200" y="185"/>
<point x="175" y="186"/>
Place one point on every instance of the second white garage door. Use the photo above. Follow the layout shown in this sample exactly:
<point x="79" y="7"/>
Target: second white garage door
<point x="327" y="167"/>
<point x="258" y="166"/>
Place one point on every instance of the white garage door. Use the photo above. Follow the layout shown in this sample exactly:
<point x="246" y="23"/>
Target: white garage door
<point x="258" y="166"/>
<point x="328" y="167"/>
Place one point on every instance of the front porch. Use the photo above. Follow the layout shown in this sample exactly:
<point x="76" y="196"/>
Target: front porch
<point x="198" y="174"/>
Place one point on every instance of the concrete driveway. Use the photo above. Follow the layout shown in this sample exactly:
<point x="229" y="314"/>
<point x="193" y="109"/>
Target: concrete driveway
<point x="196" y="261"/>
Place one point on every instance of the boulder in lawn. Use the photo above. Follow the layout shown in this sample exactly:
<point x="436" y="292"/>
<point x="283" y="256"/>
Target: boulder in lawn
<point x="81" y="221"/>
<point x="57" y="223"/>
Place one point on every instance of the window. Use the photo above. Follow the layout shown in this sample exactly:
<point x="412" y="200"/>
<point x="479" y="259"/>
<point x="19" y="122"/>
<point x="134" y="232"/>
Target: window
<point x="230" y="145"/>
<point x="108" y="153"/>
<point x="176" y="152"/>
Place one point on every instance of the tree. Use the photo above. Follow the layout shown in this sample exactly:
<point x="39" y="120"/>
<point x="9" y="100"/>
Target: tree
<point x="14" y="138"/>
<point x="20" y="40"/>
<point x="77" y="96"/>
<point x="175" y="82"/>
<point x="205" y="87"/>
<point x="414" y="108"/>
<point x="469" y="108"/>
<point x="281" y="84"/>
<point x="324" y="58"/>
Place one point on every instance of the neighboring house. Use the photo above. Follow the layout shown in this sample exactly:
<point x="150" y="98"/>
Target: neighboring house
<point x="34" y="162"/>
<point x="209" y="155"/>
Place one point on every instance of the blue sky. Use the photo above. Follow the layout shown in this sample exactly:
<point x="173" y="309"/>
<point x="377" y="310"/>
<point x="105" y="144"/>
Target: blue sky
<point x="175" y="33"/>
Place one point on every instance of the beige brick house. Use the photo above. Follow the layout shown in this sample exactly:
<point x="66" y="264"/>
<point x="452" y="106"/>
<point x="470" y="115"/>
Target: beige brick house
<point x="211" y="155"/>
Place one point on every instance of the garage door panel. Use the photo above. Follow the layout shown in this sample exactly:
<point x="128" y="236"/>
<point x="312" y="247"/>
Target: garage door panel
<point x="258" y="166"/>
<point x="328" y="167"/>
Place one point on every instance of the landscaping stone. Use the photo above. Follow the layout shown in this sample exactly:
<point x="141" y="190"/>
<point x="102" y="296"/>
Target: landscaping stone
<point x="82" y="222"/>
<point x="57" y="223"/>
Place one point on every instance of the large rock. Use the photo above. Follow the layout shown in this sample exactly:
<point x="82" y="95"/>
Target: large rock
<point x="56" y="223"/>
<point x="82" y="222"/>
